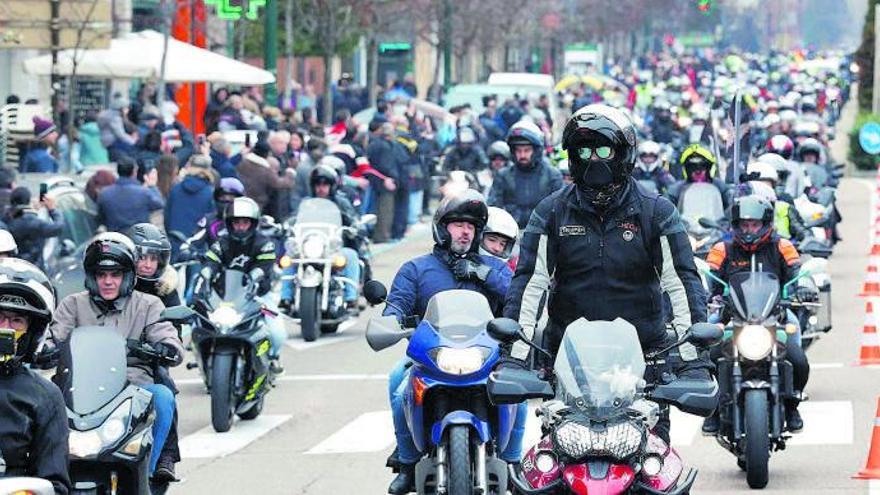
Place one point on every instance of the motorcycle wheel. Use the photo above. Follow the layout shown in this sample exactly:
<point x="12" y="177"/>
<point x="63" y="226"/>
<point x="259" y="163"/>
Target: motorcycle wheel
<point x="254" y="411"/>
<point x="329" y="328"/>
<point x="757" y="448"/>
<point x="221" y="391"/>
<point x="461" y="480"/>
<point x="309" y="313"/>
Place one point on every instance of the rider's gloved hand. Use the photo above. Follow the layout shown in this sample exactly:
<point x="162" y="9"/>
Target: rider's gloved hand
<point x="807" y="294"/>
<point x="465" y="269"/>
<point x="166" y="352"/>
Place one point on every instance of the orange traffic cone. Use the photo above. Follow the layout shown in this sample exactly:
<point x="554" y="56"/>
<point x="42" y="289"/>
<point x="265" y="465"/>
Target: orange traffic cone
<point x="872" y="467"/>
<point x="870" y="351"/>
<point x="872" y="277"/>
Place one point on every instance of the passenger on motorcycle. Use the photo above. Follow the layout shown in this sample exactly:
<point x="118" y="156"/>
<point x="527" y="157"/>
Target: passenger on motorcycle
<point x="499" y="156"/>
<point x="649" y="167"/>
<point x="518" y="188"/>
<point x="500" y="234"/>
<point x="110" y="300"/>
<point x="33" y="419"/>
<point x="243" y="248"/>
<point x="754" y="237"/>
<point x="607" y="249"/>
<point x="454" y="263"/>
<point x="323" y="183"/>
<point x="698" y="163"/>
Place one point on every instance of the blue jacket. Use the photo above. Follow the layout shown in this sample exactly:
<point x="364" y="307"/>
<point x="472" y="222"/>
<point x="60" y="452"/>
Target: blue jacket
<point x="420" y="278"/>
<point x="189" y="201"/>
<point x="223" y="165"/>
<point x="126" y="203"/>
<point x="39" y="160"/>
<point x="519" y="191"/>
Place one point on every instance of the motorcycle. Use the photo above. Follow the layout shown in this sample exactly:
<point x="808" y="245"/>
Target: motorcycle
<point x="314" y="249"/>
<point x="753" y="374"/>
<point x="231" y="345"/>
<point x="447" y="408"/>
<point x="110" y="419"/>
<point x="597" y="432"/>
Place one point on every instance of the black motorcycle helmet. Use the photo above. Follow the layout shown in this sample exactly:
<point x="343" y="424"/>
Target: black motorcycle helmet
<point x="529" y="134"/>
<point x="25" y="290"/>
<point x="598" y="127"/>
<point x="148" y="239"/>
<point x="752" y="208"/>
<point x="468" y="206"/>
<point x="110" y="251"/>
<point x="325" y="174"/>
<point x="242" y="208"/>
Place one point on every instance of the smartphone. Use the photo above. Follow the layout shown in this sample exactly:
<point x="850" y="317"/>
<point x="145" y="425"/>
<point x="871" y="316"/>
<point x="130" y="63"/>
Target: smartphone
<point x="7" y="342"/>
<point x="201" y="139"/>
<point x="44" y="188"/>
<point x="247" y="140"/>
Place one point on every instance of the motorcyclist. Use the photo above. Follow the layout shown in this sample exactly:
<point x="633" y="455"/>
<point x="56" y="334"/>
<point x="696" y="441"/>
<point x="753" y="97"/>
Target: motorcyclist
<point x="454" y="263"/>
<point x="649" y="167"/>
<point x="466" y="154"/>
<point x="323" y="183"/>
<point x="698" y="163"/>
<point x="754" y="238"/>
<point x="499" y="156"/>
<point x="607" y="249"/>
<point x="110" y="300"/>
<point x="518" y="188"/>
<point x="243" y="248"/>
<point x="33" y="428"/>
<point x="787" y="222"/>
<point x="156" y="278"/>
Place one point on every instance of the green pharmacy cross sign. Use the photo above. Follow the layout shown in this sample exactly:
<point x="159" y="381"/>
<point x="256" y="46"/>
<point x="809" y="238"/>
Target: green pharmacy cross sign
<point x="232" y="10"/>
<point x="704" y="6"/>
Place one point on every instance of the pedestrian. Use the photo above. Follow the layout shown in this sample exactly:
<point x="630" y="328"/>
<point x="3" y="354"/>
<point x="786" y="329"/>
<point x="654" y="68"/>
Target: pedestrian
<point x="28" y="229"/>
<point x="7" y="184"/>
<point x="221" y="157"/>
<point x="128" y="202"/>
<point x="192" y="198"/>
<point x="112" y="123"/>
<point x="98" y="182"/>
<point x="92" y="152"/>
<point x="39" y="158"/>
<point x="381" y="156"/>
<point x="261" y="183"/>
<point x="166" y="173"/>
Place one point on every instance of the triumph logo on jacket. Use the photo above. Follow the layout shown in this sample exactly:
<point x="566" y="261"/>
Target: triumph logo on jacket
<point x="567" y="230"/>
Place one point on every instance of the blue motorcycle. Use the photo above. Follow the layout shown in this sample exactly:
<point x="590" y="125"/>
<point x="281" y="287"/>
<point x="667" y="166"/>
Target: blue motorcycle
<point x="459" y="432"/>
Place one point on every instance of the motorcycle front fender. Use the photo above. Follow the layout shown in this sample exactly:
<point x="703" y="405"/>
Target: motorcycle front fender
<point x="460" y="418"/>
<point x="309" y="277"/>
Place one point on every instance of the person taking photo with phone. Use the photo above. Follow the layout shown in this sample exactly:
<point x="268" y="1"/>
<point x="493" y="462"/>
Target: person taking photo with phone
<point x="28" y="229"/>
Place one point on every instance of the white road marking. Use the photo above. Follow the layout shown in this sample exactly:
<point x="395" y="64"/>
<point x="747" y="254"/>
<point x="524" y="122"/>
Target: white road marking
<point x="825" y="423"/>
<point x="208" y="443"/>
<point x="369" y="432"/>
<point x="825" y="366"/>
<point x="684" y="427"/>
<point x="303" y="378"/>
<point x="298" y="344"/>
<point x="873" y="487"/>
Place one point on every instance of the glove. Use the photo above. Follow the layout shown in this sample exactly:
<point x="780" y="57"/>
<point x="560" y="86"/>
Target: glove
<point x="167" y="353"/>
<point x="47" y="359"/>
<point x="465" y="269"/>
<point x="807" y="294"/>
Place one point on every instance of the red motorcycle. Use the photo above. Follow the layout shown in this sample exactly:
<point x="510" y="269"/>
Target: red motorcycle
<point x="597" y="430"/>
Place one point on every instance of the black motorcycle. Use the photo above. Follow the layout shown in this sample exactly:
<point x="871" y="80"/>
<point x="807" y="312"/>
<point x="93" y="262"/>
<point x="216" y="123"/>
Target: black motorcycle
<point x="231" y="345"/>
<point x="110" y="419"/>
<point x="753" y="375"/>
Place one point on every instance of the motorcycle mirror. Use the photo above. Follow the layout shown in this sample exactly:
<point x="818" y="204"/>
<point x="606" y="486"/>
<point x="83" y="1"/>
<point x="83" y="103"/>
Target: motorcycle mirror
<point x="177" y="314"/>
<point x="67" y="248"/>
<point x="705" y="334"/>
<point x="708" y="223"/>
<point x="504" y="330"/>
<point x="699" y="397"/>
<point x="374" y="292"/>
<point x="512" y="386"/>
<point x="384" y="331"/>
<point x="369" y="220"/>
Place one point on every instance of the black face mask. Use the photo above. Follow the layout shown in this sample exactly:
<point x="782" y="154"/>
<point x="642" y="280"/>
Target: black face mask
<point x="598" y="175"/>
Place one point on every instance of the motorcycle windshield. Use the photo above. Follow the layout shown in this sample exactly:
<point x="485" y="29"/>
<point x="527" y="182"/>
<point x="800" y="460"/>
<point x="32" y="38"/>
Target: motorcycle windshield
<point x="754" y="294"/>
<point x="599" y="366"/>
<point x="318" y="210"/>
<point x="96" y="368"/>
<point x="700" y="200"/>
<point x="458" y="315"/>
<point x="230" y="289"/>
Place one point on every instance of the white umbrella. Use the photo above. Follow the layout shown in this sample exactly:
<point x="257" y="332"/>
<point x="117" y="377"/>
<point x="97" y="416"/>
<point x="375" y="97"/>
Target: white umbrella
<point x="139" y="56"/>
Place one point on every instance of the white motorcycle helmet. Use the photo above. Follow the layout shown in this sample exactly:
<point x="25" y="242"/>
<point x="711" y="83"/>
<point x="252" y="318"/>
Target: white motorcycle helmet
<point x="502" y="224"/>
<point x="8" y="247"/>
<point x="648" y="148"/>
<point x="763" y="191"/>
<point x="764" y="171"/>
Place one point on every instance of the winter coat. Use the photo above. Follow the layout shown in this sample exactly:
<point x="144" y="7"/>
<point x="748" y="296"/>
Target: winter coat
<point x="112" y="128"/>
<point x="518" y="191"/>
<point x="126" y="203"/>
<point x="189" y="201"/>
<point x="260" y="181"/>
<point x="92" y="151"/>
<point x="30" y="232"/>
<point x="38" y="159"/>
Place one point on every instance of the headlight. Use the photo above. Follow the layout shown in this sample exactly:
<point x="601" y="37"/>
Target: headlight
<point x="459" y="361"/>
<point x="134" y="446"/>
<point x="652" y="465"/>
<point x="618" y="441"/>
<point x="339" y="262"/>
<point x="313" y="247"/>
<point x="225" y="316"/>
<point x="545" y="462"/>
<point x="754" y="342"/>
<point x="89" y="443"/>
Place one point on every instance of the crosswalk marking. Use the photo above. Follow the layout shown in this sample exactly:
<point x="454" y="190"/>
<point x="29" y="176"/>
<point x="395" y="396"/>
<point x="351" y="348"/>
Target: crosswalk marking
<point x="369" y="432"/>
<point x="208" y="443"/>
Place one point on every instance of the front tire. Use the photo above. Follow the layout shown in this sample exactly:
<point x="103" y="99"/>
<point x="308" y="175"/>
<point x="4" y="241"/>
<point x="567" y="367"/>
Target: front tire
<point x="310" y="313"/>
<point x="757" y="429"/>
<point x="222" y="387"/>
<point x="461" y="479"/>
